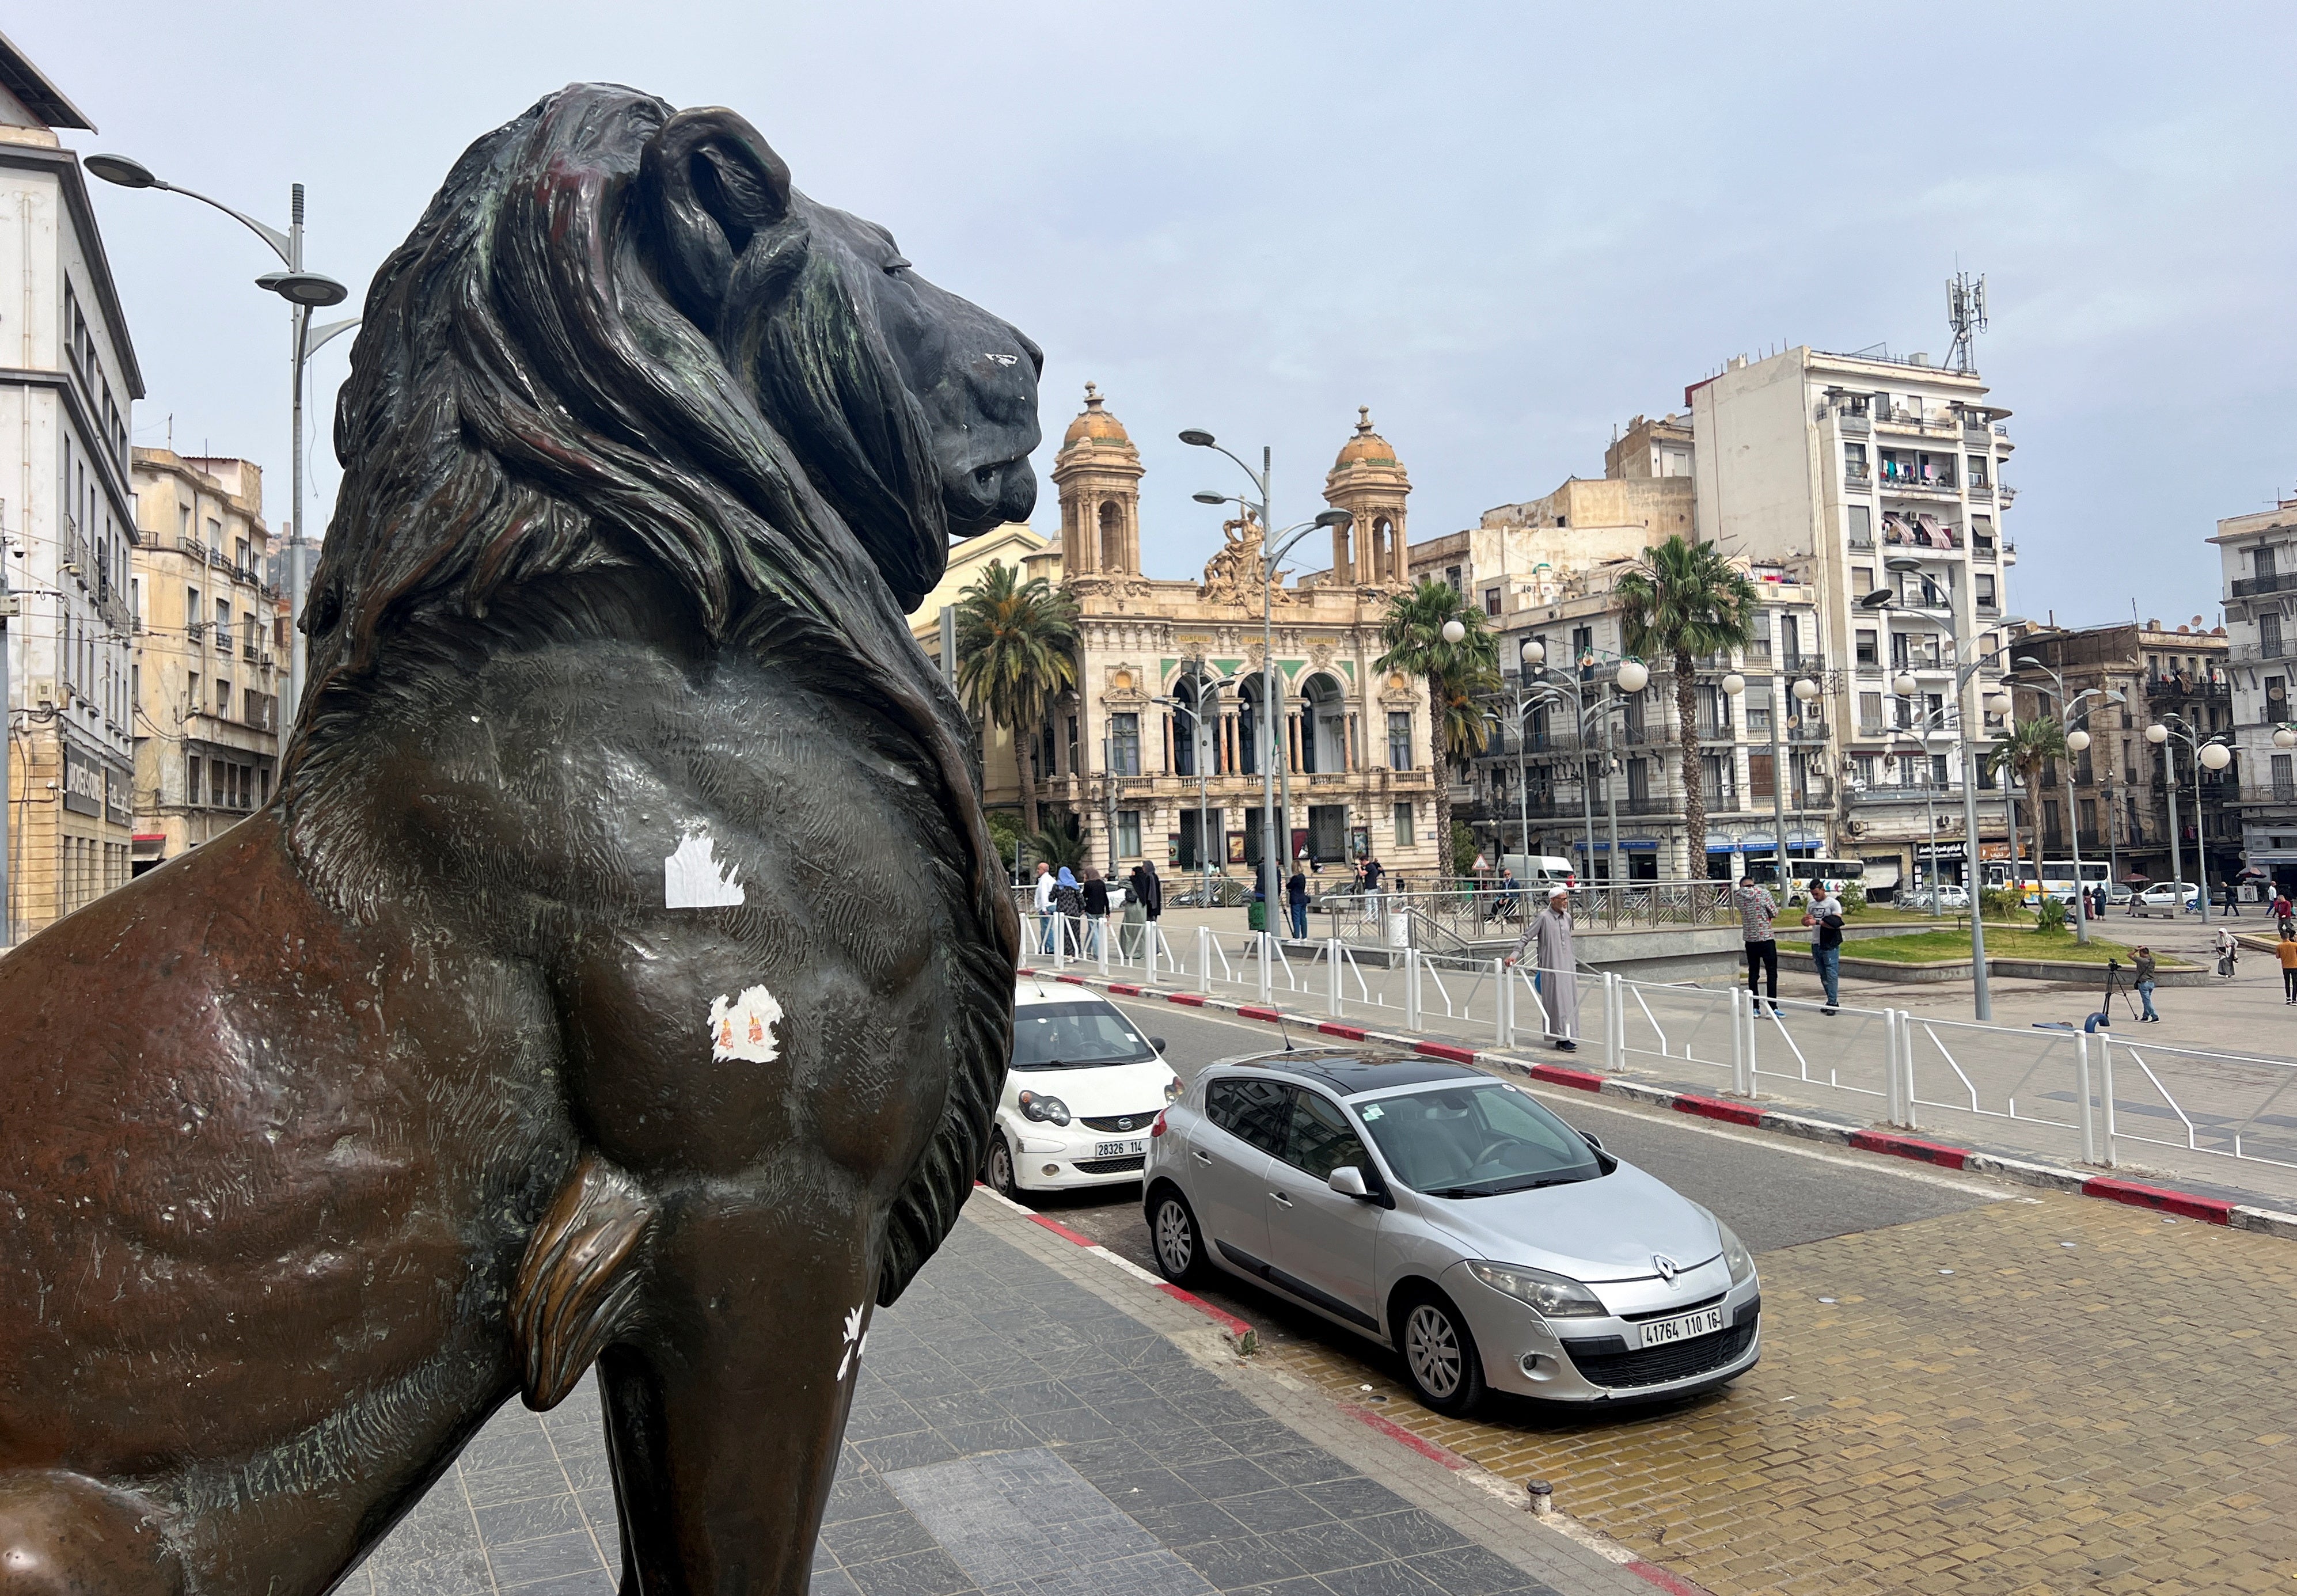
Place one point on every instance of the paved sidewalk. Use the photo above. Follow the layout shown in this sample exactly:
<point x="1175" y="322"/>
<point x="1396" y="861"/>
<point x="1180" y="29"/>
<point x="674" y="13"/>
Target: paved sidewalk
<point x="1032" y="1419"/>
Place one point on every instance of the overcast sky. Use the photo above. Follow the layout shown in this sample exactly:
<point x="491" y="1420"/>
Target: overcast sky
<point x="1507" y="229"/>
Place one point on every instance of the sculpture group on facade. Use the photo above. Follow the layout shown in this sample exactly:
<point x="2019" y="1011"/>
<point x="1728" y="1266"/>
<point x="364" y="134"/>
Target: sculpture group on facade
<point x="621" y="973"/>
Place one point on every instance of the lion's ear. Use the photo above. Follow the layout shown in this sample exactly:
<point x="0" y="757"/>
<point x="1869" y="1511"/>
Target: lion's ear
<point x="712" y="183"/>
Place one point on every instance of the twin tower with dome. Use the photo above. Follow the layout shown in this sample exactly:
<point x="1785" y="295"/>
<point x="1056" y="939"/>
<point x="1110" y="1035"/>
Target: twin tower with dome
<point x="1167" y="723"/>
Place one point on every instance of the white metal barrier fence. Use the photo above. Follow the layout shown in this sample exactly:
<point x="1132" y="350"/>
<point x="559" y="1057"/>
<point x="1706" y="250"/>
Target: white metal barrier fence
<point x="2078" y="1095"/>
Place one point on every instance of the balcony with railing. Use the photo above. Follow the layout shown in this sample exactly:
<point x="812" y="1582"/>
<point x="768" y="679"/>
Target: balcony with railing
<point x="2268" y="791"/>
<point x="2251" y="586"/>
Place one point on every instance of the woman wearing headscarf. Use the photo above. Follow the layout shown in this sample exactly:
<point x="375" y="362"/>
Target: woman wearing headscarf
<point x="1548" y="938"/>
<point x="1069" y="903"/>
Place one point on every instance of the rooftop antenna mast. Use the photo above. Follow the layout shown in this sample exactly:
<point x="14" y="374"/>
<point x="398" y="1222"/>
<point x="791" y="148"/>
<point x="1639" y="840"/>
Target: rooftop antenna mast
<point x="1965" y="313"/>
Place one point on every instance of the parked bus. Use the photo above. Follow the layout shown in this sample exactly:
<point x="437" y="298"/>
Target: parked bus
<point x="1835" y="874"/>
<point x="2059" y="880"/>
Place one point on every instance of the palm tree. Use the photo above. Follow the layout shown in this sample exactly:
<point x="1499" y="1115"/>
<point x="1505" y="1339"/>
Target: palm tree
<point x="2019" y="756"/>
<point x="1017" y="652"/>
<point x="1679" y="600"/>
<point x="1413" y="633"/>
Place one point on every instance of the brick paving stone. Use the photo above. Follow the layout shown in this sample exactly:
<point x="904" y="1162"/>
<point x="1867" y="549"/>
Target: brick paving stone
<point x="2043" y="1418"/>
<point x="1027" y="1421"/>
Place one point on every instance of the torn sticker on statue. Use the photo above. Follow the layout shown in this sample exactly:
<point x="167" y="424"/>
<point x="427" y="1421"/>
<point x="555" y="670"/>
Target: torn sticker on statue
<point x="693" y="878"/>
<point x="856" y="1339"/>
<point x="743" y="1027"/>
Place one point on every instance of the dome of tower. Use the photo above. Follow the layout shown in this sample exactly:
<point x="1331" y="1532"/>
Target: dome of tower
<point x="1094" y="424"/>
<point x="1366" y="445"/>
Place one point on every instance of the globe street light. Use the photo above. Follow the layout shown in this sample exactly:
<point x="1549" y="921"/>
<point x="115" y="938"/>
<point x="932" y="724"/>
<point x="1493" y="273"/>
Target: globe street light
<point x="2207" y="756"/>
<point x="305" y="292"/>
<point x="2077" y="739"/>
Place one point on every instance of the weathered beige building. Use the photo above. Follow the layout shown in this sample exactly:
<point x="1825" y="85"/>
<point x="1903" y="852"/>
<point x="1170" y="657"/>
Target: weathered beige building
<point x="65" y="523"/>
<point x="1168" y="721"/>
<point x="210" y="665"/>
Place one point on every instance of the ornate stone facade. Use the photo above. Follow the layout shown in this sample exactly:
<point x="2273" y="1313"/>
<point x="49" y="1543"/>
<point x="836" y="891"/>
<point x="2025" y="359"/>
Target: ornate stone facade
<point x="1122" y="756"/>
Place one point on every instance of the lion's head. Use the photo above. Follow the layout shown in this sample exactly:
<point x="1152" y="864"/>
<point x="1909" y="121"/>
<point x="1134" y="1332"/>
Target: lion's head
<point x="619" y="337"/>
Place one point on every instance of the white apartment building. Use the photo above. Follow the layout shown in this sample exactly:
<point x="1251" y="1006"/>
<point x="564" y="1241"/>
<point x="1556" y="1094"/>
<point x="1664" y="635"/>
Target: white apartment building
<point x="1835" y="466"/>
<point x="2258" y="558"/>
<point x="66" y="523"/>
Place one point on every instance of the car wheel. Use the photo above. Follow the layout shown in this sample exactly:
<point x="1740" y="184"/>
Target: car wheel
<point x="1173" y="1237"/>
<point x="1000" y="1168"/>
<point x="1439" y="1355"/>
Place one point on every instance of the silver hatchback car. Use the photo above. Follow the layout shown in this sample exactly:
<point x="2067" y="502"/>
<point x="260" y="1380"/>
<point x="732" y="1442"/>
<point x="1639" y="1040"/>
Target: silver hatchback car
<point x="1451" y="1217"/>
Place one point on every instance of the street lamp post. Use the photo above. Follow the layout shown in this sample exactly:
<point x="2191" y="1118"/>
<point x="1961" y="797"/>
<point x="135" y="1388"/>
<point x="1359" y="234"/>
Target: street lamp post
<point x="2077" y="740"/>
<point x="1275" y="759"/>
<point x="2210" y="755"/>
<point x="1631" y="677"/>
<point x="305" y="292"/>
<point x="1805" y="690"/>
<point x="1205" y="682"/>
<point x="1904" y="685"/>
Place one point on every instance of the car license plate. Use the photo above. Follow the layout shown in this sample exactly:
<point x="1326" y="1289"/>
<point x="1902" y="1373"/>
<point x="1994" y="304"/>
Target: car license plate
<point x="1660" y="1332"/>
<point x="1119" y="1149"/>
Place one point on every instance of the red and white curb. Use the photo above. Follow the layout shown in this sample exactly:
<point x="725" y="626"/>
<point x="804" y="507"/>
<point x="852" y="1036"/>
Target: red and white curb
<point x="1244" y="1340"/>
<point x="1733" y="1111"/>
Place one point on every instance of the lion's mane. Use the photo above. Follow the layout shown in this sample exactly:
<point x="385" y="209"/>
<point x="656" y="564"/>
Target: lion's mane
<point x="529" y="401"/>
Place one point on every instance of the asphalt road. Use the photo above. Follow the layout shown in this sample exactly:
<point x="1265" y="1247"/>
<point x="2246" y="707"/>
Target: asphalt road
<point x="1774" y="1192"/>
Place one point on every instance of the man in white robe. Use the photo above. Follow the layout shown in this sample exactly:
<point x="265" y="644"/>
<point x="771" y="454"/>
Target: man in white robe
<point x="1548" y="939"/>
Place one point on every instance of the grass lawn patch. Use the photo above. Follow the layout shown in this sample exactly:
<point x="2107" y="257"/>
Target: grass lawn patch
<point x="1943" y="946"/>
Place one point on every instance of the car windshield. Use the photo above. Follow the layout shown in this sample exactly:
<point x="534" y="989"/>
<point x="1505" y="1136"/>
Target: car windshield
<point x="1476" y="1140"/>
<point x="1057" y="1036"/>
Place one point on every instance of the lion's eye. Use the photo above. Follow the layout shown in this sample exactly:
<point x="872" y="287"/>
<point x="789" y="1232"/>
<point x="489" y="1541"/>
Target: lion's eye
<point x="897" y="264"/>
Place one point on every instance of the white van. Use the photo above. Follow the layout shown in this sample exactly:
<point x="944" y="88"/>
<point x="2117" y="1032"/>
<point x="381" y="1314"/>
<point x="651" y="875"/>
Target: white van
<point x="1541" y="870"/>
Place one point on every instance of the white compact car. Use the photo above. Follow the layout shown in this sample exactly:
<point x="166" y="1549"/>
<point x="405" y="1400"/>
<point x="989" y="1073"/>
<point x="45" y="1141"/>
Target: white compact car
<point x="1451" y="1217"/>
<point x="1083" y="1089"/>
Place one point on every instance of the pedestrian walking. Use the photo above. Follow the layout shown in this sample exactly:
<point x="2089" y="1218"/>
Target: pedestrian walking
<point x="1295" y="899"/>
<point x="1045" y="887"/>
<point x="2288" y="952"/>
<point x="2227" y="950"/>
<point x="2284" y="914"/>
<point x="1134" y="936"/>
<point x="1372" y="873"/>
<point x="1756" y="911"/>
<point x="2232" y="900"/>
<point x="1096" y="911"/>
<point x="1510" y="896"/>
<point x="2144" y="962"/>
<point x="1827" y="949"/>
<point x="1555" y="968"/>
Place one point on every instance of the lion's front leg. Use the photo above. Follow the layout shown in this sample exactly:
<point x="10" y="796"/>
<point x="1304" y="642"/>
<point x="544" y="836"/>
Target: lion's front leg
<point x="725" y="1411"/>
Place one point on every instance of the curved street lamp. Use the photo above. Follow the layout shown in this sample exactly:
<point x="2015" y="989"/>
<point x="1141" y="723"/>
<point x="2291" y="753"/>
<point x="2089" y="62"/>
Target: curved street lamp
<point x="2077" y="739"/>
<point x="306" y="291"/>
<point x="1275" y="762"/>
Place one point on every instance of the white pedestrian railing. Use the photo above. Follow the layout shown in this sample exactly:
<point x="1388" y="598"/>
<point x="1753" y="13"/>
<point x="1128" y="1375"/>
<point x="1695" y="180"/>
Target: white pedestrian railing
<point x="2085" y="1096"/>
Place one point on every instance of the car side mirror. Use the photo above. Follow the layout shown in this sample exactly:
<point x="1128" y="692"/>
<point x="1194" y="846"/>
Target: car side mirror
<point x="1348" y="1181"/>
<point x="1594" y="1140"/>
<point x="1156" y="1043"/>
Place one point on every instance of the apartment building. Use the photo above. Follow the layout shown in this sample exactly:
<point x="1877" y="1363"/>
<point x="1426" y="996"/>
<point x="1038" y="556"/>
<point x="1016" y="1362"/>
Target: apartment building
<point x="2121" y="811"/>
<point x="1523" y="556"/>
<point x="67" y="524"/>
<point x="210" y="651"/>
<point x="1559" y="780"/>
<point x="1842" y="468"/>
<point x="2256" y="555"/>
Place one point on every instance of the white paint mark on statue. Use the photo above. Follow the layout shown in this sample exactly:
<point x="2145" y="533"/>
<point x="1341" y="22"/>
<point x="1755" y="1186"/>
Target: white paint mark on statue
<point x="856" y="1340"/>
<point x="743" y="1027"/>
<point x="693" y="878"/>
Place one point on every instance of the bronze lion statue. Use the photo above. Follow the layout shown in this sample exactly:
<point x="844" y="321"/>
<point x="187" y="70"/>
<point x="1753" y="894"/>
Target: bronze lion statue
<point x="622" y="972"/>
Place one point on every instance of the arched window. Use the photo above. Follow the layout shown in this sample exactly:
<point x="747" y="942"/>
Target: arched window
<point x="1323" y="724"/>
<point x="1383" y="549"/>
<point x="1112" y="536"/>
